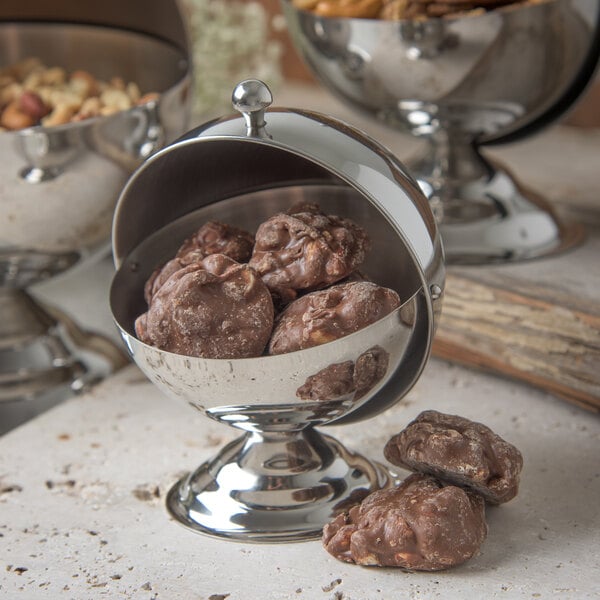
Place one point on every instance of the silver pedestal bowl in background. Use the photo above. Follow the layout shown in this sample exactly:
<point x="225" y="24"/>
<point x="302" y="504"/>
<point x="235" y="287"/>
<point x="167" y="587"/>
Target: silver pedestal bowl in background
<point x="282" y="479"/>
<point x="462" y="83"/>
<point x="58" y="189"/>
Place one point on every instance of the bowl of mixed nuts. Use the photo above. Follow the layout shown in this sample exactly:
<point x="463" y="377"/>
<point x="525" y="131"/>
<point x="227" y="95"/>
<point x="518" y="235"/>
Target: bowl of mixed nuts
<point x="81" y="107"/>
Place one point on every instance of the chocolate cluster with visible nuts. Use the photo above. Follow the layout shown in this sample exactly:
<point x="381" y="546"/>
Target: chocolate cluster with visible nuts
<point x="329" y="314"/>
<point x="215" y="308"/>
<point x="421" y="525"/>
<point x="435" y="518"/>
<point x="459" y="451"/>
<point x="230" y="294"/>
<point x="32" y="93"/>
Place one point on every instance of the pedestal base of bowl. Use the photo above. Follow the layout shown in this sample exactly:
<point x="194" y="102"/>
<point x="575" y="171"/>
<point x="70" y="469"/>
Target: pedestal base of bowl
<point x="274" y="487"/>
<point x="45" y="356"/>
<point x="485" y="216"/>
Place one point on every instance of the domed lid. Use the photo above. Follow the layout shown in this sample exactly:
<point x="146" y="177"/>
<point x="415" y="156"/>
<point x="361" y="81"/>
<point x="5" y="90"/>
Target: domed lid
<point x="266" y="147"/>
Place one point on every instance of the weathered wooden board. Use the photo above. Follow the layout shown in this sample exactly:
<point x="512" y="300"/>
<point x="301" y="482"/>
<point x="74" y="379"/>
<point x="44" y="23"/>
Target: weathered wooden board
<point x="499" y="329"/>
<point x="538" y="322"/>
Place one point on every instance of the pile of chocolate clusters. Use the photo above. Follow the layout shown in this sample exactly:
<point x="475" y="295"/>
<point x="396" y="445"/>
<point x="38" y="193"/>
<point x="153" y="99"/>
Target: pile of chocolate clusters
<point x="293" y="285"/>
<point x="395" y="10"/>
<point x="435" y="519"/>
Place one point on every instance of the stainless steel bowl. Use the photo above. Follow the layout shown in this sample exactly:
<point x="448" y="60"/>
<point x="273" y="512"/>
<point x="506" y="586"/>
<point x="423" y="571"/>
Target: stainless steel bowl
<point x="59" y="185"/>
<point x="282" y="480"/>
<point x="462" y="83"/>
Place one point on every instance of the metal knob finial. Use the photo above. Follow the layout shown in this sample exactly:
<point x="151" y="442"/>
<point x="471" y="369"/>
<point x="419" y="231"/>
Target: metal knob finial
<point x="252" y="97"/>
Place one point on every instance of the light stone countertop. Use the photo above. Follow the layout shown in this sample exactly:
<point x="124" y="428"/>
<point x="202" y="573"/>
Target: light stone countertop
<point x="82" y="486"/>
<point x="82" y="503"/>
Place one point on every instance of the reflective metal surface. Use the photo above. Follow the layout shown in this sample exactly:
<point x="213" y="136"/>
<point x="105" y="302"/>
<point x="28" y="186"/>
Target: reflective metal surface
<point x="46" y="356"/>
<point x="282" y="480"/>
<point x="59" y="185"/>
<point x="462" y="83"/>
<point x="294" y="481"/>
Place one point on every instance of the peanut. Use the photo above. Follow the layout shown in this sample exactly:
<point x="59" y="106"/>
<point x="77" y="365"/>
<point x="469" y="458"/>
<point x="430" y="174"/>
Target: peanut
<point x="24" y="67"/>
<point x="89" y="108"/>
<point x="33" y="80"/>
<point x="64" y="97"/>
<point x="115" y="98"/>
<point x="59" y="116"/>
<point x="9" y="93"/>
<point x="133" y="91"/>
<point x="117" y="83"/>
<point x="84" y="84"/>
<point x="54" y="76"/>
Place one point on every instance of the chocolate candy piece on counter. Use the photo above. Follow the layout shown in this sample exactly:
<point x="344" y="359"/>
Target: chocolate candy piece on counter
<point x="219" y="238"/>
<point x="421" y="525"/>
<point x="307" y="251"/>
<point x="215" y="308"/>
<point x="460" y="451"/>
<point x="330" y="314"/>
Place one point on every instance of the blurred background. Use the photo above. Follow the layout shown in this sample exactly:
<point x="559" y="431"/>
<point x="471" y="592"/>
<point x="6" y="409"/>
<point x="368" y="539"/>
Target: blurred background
<point x="234" y="39"/>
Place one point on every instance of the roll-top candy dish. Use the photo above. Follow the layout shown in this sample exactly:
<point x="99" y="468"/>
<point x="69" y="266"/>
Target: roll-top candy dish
<point x="286" y="224"/>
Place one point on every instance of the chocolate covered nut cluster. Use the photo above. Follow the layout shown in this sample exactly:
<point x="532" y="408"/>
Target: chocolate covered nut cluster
<point x="394" y="10"/>
<point x="215" y="308"/>
<point x="329" y="314"/>
<point x="230" y="294"/>
<point x="421" y="525"/>
<point x="307" y="251"/>
<point x="459" y="451"/>
<point x="212" y="238"/>
<point x="32" y="93"/>
<point x="435" y="518"/>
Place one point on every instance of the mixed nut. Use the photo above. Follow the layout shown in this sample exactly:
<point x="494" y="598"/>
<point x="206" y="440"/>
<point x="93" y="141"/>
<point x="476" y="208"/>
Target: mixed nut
<point x="32" y="93"/>
<point x="394" y="10"/>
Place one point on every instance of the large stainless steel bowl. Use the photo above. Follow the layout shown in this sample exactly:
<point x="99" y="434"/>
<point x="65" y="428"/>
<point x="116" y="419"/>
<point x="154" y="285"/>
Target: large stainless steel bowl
<point x="462" y="83"/>
<point x="282" y="480"/>
<point x="59" y="185"/>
